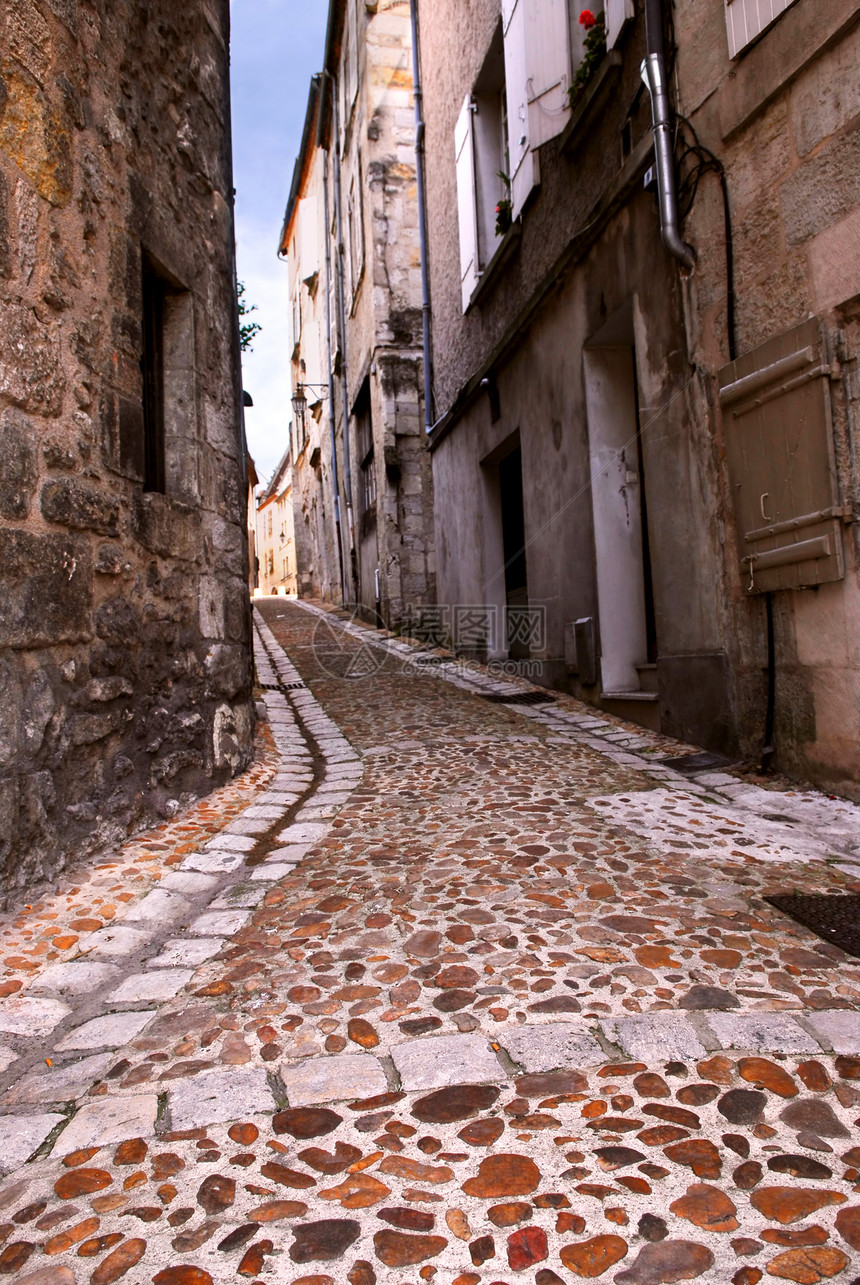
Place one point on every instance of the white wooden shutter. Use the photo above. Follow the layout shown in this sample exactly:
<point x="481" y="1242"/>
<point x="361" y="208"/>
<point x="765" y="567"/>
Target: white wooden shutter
<point x="547" y="67"/>
<point x="746" y="19"/>
<point x="525" y="171"/>
<point x="464" y="148"/>
<point x="537" y="78"/>
<point x="618" y="14"/>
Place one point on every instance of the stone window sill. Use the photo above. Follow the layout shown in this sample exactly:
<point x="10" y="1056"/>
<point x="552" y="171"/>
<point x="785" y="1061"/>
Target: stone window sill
<point x="589" y="106"/>
<point x="508" y="246"/>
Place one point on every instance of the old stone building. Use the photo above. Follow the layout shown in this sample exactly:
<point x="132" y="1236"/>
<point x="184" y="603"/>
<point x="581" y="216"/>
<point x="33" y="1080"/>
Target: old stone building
<point x="125" y="673"/>
<point x="361" y="472"/>
<point x="643" y="231"/>
<point x="275" y="537"/>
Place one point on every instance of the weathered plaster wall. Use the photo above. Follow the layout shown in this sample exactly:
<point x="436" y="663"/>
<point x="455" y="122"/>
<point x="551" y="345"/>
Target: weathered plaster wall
<point x="783" y="119"/>
<point x="124" y="658"/>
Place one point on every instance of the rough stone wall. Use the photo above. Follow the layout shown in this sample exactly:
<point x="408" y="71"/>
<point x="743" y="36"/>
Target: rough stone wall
<point x="384" y="335"/>
<point x="124" y="660"/>
<point x="784" y="118"/>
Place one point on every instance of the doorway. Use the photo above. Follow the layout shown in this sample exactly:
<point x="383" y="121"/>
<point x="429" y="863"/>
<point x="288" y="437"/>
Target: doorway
<point x="514" y="548"/>
<point x="625" y="593"/>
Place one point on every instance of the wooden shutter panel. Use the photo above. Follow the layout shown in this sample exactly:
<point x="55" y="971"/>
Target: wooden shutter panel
<point x="547" y="67"/>
<point x="464" y="149"/>
<point x="537" y="78"/>
<point x="525" y="169"/>
<point x="618" y="14"/>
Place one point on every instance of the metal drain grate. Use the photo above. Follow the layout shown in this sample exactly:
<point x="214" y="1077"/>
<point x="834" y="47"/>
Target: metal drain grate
<point x="834" y="917"/>
<point x="519" y="698"/>
<point x="281" y="687"/>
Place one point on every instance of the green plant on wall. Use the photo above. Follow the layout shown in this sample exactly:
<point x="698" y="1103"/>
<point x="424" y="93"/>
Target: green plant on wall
<point x="504" y="209"/>
<point x="247" y="329"/>
<point x="594" y="51"/>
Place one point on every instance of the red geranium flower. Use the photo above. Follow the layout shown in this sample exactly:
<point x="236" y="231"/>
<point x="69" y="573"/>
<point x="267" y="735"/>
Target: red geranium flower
<point x="587" y="19"/>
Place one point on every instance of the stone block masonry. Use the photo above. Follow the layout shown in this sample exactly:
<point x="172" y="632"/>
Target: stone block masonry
<point x="125" y="663"/>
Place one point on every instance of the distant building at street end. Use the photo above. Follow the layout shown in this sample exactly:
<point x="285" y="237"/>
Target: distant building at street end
<point x="362" y="485"/>
<point x="253" y="560"/>
<point x="644" y="222"/>
<point x="125" y="666"/>
<point x="275" y="533"/>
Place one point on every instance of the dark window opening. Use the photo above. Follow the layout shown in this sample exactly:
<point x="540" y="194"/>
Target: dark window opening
<point x="366" y="458"/>
<point x="152" y="368"/>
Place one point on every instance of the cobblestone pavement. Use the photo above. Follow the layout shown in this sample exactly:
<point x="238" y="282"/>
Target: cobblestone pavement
<point x="448" y="989"/>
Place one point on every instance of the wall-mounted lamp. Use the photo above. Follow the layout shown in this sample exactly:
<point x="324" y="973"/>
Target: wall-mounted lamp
<point x="299" y="398"/>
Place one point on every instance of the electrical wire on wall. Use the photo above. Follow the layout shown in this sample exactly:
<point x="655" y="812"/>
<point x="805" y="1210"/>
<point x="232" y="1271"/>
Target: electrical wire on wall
<point x="694" y="161"/>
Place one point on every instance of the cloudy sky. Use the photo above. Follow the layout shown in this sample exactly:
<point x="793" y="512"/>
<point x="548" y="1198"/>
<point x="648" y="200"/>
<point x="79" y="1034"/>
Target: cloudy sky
<point x="277" y="45"/>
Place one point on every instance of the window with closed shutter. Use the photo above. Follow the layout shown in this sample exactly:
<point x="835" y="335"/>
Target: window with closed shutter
<point x="747" y="19"/>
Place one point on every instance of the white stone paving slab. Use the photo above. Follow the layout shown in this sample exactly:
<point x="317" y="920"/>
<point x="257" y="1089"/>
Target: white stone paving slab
<point x="220" y="863"/>
<point x="446" y="1059"/>
<point x="78" y="977"/>
<point x="221" y="922"/>
<point x="118" y="941"/>
<point x="160" y="984"/>
<point x="272" y="871"/>
<point x="655" y="1037"/>
<point x="21" y="1135"/>
<point x="550" y="1047"/>
<point x="25" y="1016"/>
<point x="107" y="1032"/>
<point x="186" y="952"/>
<point x="111" y="1120"/>
<point x="159" y="907"/>
<point x="333" y="1079"/>
<point x="838" y="1028"/>
<point x="60" y="1084"/>
<point x="765" y="1032"/>
<point x="250" y="827"/>
<point x="219" y="1095"/>
<point x="290" y="852"/>
<point x="308" y="832"/>
<point x="188" y="882"/>
<point x="230" y="843"/>
<point x="241" y="894"/>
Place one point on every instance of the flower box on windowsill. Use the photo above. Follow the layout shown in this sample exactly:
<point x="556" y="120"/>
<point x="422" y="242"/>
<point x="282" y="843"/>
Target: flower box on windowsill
<point x="505" y="250"/>
<point x="590" y="103"/>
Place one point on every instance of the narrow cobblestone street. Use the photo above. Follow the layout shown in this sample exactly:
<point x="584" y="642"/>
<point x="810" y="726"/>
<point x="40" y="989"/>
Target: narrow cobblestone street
<point x="446" y="988"/>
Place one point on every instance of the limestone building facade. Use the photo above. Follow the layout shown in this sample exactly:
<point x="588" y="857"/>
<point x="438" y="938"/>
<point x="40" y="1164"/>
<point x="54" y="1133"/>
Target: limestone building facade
<point x="275" y="533"/>
<point x="361" y="471"/>
<point x="645" y="441"/>
<point x="125" y="670"/>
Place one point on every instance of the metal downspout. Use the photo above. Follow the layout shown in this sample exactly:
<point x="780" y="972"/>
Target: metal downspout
<point x="654" y="76"/>
<point x="320" y="141"/>
<point x="341" y="308"/>
<point x="418" y="95"/>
